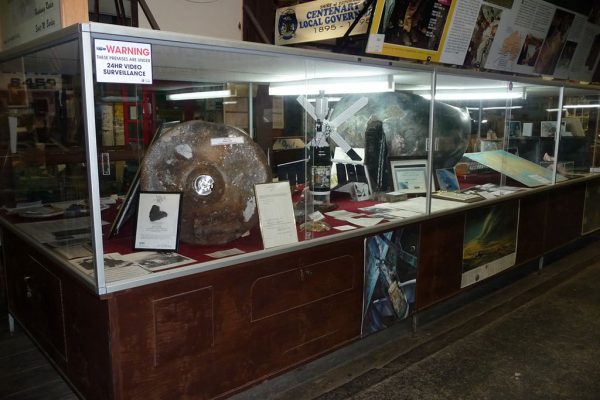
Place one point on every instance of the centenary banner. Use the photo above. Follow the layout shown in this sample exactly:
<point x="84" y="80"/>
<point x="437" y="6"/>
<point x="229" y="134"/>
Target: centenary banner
<point x="319" y="20"/>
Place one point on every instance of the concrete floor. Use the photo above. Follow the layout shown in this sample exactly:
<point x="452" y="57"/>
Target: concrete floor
<point x="537" y="337"/>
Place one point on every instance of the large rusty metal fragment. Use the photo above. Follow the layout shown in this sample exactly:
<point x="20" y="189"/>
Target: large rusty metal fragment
<point x="215" y="167"/>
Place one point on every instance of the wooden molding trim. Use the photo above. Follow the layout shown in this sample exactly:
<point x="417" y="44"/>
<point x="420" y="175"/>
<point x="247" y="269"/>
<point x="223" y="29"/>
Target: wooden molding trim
<point x="73" y="12"/>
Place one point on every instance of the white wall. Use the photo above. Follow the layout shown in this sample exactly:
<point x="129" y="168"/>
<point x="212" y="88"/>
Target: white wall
<point x="218" y="18"/>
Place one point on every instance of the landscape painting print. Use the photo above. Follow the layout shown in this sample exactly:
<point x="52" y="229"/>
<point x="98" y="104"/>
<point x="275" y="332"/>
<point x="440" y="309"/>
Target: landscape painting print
<point x="490" y="241"/>
<point x="390" y="278"/>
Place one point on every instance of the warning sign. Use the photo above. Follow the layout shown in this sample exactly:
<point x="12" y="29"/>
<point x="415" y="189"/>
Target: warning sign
<point x="123" y="62"/>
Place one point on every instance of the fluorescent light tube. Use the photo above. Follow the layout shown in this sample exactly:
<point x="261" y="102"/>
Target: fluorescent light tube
<point x="466" y="95"/>
<point x="370" y="84"/>
<point x="575" y="106"/>
<point x="214" y="94"/>
<point x="495" y="108"/>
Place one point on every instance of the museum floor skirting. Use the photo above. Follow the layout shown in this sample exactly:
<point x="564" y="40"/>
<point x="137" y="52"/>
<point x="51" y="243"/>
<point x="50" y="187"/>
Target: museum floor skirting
<point x="525" y="335"/>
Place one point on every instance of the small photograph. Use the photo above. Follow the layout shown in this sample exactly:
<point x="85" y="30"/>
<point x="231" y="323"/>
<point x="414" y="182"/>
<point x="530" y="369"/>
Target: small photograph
<point x="514" y="128"/>
<point x="414" y="23"/>
<point x="555" y="40"/>
<point x="447" y="180"/>
<point x="483" y="36"/>
<point x="110" y="261"/>
<point x="548" y="128"/>
<point x="158" y="261"/>
<point x="530" y="50"/>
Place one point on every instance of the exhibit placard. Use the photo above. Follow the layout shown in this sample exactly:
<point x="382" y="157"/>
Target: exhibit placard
<point x="319" y="20"/>
<point x="123" y="62"/>
<point x="157" y="225"/>
<point x="276" y="214"/>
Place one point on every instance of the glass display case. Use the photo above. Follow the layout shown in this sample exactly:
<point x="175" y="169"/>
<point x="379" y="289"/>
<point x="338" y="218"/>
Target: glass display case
<point x="94" y="115"/>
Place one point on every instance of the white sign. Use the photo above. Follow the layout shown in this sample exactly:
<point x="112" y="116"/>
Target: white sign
<point x="24" y="20"/>
<point x="276" y="214"/>
<point x="223" y="141"/>
<point x="319" y="20"/>
<point x="123" y="62"/>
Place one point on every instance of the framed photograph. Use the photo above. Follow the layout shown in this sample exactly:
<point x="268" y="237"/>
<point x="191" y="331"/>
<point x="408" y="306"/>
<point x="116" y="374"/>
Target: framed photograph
<point x="548" y="128"/>
<point x="409" y="176"/>
<point x="514" y="128"/>
<point x="157" y="225"/>
<point x="447" y="179"/>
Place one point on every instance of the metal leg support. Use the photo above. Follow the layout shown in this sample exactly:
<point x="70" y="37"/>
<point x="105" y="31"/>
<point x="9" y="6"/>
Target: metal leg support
<point x="11" y="324"/>
<point x="414" y="323"/>
<point x="541" y="264"/>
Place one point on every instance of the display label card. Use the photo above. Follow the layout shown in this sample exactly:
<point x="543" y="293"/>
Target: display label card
<point x="276" y="214"/>
<point x="123" y="62"/>
<point x="157" y="225"/>
<point x="223" y="141"/>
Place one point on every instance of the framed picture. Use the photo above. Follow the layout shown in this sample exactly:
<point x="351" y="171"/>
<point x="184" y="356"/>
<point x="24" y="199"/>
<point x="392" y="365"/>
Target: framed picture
<point x="514" y="128"/>
<point x="447" y="179"/>
<point x="157" y="225"/>
<point x="409" y="176"/>
<point x="548" y="128"/>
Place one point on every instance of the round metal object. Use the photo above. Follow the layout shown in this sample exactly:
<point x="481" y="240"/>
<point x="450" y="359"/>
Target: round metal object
<point x="405" y="121"/>
<point x="215" y="167"/>
<point x="204" y="185"/>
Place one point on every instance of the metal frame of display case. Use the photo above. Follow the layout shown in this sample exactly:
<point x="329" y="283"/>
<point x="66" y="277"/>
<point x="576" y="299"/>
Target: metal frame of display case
<point x="86" y="33"/>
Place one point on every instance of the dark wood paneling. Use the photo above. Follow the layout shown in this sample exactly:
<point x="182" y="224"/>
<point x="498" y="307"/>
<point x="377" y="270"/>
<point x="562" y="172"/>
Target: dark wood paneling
<point x="440" y="259"/>
<point x="316" y="295"/>
<point x="532" y="227"/>
<point x="69" y="322"/>
<point x="183" y="324"/>
<point x="88" y="341"/>
<point x="564" y="217"/>
<point x="35" y="297"/>
<point x="301" y="286"/>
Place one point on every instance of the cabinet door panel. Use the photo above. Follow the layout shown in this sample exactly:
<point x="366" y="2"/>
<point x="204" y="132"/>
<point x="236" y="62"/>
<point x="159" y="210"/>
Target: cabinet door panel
<point x="564" y="217"/>
<point x="286" y="290"/>
<point x="440" y="259"/>
<point x="35" y="298"/>
<point x="532" y="225"/>
<point x="215" y="332"/>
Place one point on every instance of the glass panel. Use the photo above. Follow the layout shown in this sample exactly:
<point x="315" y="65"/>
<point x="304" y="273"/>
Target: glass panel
<point x="579" y="127"/>
<point x="510" y="144"/>
<point x="331" y="129"/>
<point x="43" y="172"/>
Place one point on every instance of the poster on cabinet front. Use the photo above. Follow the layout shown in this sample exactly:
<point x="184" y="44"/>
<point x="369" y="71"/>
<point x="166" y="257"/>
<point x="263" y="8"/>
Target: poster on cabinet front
<point x="390" y="278"/>
<point x="490" y="241"/>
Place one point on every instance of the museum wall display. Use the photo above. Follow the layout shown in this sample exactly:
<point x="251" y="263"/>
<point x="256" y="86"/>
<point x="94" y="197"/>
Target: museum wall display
<point x="234" y="209"/>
